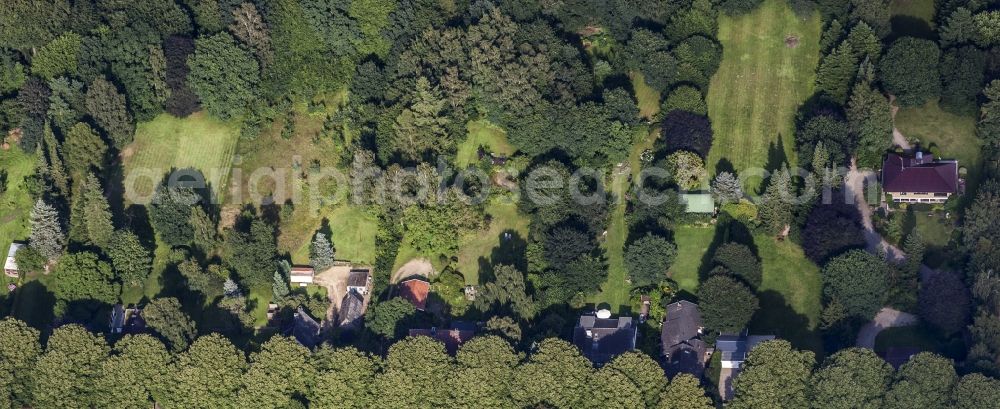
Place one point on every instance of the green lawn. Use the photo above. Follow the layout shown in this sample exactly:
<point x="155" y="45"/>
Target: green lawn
<point x="790" y="294"/>
<point x="949" y="135"/>
<point x="921" y="9"/>
<point x="753" y="97"/>
<point x="480" y="245"/>
<point x="692" y="244"/>
<point x="647" y="97"/>
<point x="482" y="133"/>
<point x="198" y="141"/>
<point x="615" y="291"/>
<point x="15" y="202"/>
<point x="352" y="232"/>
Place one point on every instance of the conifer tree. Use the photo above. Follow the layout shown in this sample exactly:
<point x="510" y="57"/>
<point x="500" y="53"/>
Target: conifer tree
<point x="97" y="213"/>
<point x="321" y="252"/>
<point x="46" y="232"/>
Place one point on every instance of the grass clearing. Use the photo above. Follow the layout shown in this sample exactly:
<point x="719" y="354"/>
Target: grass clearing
<point x="790" y="294"/>
<point x="647" y="97"/>
<point x="479" y="246"/>
<point x="351" y="229"/>
<point x="198" y="141"/>
<point x="692" y="244"/>
<point x="15" y="202"/>
<point x="615" y="291"/>
<point x="753" y="97"/>
<point x="482" y="133"/>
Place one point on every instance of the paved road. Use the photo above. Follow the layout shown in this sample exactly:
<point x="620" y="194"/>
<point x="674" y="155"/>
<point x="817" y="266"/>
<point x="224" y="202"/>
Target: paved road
<point x="886" y="318"/>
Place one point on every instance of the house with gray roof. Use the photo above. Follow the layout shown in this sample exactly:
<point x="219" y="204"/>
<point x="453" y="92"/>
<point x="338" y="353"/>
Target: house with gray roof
<point x="683" y="348"/>
<point x="351" y="309"/>
<point x="734" y="349"/>
<point x="601" y="338"/>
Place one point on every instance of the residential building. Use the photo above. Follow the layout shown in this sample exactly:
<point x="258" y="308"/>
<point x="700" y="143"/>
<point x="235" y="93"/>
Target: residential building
<point x="126" y="320"/>
<point x="10" y="265"/>
<point x="415" y="291"/>
<point x="452" y="338"/>
<point x="305" y="329"/>
<point x="601" y="338"/>
<point x="351" y="309"/>
<point x="683" y="348"/>
<point x="920" y="178"/>
<point x="734" y="350"/>
<point x="359" y="281"/>
<point x="302" y="275"/>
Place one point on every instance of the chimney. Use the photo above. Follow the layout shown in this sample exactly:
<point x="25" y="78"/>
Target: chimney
<point x="920" y="158"/>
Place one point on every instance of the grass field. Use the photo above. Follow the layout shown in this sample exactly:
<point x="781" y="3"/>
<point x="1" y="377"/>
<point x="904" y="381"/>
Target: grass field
<point x="198" y="141"/>
<point x="480" y="245"/>
<point x="482" y="133"/>
<point x="351" y="230"/>
<point x="15" y="202"/>
<point x="790" y="294"/>
<point x="753" y="97"/>
<point x="647" y="97"/>
<point x="921" y="9"/>
<point x="692" y="244"/>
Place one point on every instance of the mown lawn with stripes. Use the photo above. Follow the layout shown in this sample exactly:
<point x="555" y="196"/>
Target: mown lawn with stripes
<point x="198" y="141"/>
<point x="763" y="79"/>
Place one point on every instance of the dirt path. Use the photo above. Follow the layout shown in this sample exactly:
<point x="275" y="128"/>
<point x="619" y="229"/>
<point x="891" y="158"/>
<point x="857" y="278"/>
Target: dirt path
<point x="416" y="267"/>
<point x="886" y="318"/>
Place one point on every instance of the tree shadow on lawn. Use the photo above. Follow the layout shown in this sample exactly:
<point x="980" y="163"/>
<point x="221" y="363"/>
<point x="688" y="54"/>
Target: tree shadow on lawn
<point x="728" y="230"/>
<point x="34" y="304"/>
<point x="511" y="251"/>
<point x="776" y="317"/>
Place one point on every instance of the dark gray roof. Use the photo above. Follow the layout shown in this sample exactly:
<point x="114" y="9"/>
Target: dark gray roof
<point x="737" y="347"/>
<point x="350" y="309"/>
<point x="683" y="322"/>
<point x="306" y="329"/>
<point x="358" y="278"/>
<point x="681" y="339"/>
<point x="600" y="340"/>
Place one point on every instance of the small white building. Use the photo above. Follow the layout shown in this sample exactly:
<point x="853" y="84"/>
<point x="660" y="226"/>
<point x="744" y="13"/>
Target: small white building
<point x="302" y="276"/>
<point x="10" y="265"/>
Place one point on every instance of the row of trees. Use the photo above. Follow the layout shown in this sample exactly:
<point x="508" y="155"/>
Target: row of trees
<point x="78" y="369"/>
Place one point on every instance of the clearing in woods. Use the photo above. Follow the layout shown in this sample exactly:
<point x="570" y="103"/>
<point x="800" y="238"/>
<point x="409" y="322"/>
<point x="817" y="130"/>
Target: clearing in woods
<point x="763" y="79"/>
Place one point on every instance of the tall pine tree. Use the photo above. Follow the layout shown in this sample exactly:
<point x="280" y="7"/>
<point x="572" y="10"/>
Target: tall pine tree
<point x="46" y="232"/>
<point x="97" y="213"/>
<point x="321" y="252"/>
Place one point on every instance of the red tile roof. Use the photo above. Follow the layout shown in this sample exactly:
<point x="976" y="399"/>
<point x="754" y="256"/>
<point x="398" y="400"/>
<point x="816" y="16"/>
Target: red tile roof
<point x="452" y="338"/>
<point x="415" y="291"/>
<point x="904" y="174"/>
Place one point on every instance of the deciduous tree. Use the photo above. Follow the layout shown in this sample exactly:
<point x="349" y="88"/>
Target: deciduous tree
<point x="648" y="259"/>
<point x="207" y="375"/>
<point x="925" y="381"/>
<point x="774" y="376"/>
<point x="857" y="279"/>
<point x="135" y="375"/>
<point x="388" y="317"/>
<point x="909" y="70"/>
<point x="224" y="75"/>
<point x="64" y="375"/>
<point x="684" y="392"/>
<point x="164" y="316"/>
<point x="851" y="378"/>
<point x="726" y="304"/>
<point x="82" y="277"/>
<point x="19" y="347"/>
